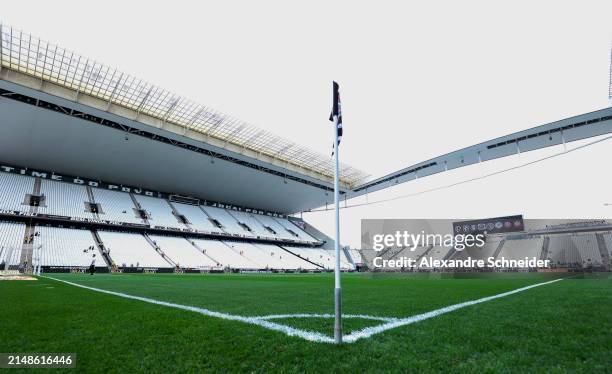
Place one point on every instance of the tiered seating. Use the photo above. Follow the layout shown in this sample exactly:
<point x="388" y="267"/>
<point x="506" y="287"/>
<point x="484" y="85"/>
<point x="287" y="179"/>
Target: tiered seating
<point x="64" y="199"/>
<point x="344" y="262"/>
<point x="608" y="241"/>
<point x="65" y="247"/>
<point x="484" y="252"/>
<point x="14" y="189"/>
<point x="588" y="248"/>
<point x="182" y="252"/>
<point x="256" y="227"/>
<point x="280" y="230"/>
<point x="255" y="255"/>
<point x="197" y="218"/>
<point x="160" y="212"/>
<point x="288" y="225"/>
<point x="131" y="250"/>
<point x="356" y="255"/>
<point x="285" y="260"/>
<point x="518" y="249"/>
<point x="224" y="255"/>
<point x="316" y="255"/>
<point x="438" y="252"/>
<point x="11" y="242"/>
<point x="116" y="206"/>
<point x="228" y="222"/>
<point x="562" y="251"/>
<point x="408" y="253"/>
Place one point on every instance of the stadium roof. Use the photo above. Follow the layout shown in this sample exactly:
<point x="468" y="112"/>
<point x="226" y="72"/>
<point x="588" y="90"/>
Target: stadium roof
<point x="32" y="56"/>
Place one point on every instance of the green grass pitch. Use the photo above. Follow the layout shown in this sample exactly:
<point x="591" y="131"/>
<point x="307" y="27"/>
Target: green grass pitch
<point x="564" y="326"/>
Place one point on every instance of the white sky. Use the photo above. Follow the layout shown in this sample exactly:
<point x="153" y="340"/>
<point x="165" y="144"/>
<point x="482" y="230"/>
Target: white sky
<point x="416" y="81"/>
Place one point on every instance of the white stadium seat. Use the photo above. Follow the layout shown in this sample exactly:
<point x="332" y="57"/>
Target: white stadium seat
<point x="65" y="247"/>
<point x="518" y="249"/>
<point x="288" y="225"/>
<point x="115" y="206"/>
<point x="197" y="218"/>
<point x="131" y="250"/>
<point x="224" y="254"/>
<point x="280" y="230"/>
<point x="159" y="211"/>
<point x="11" y="242"/>
<point x="14" y="189"/>
<point x="229" y="223"/>
<point x="64" y="199"/>
<point x="182" y="252"/>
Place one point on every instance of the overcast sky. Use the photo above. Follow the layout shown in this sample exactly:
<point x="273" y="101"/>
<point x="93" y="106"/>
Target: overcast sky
<point x="416" y="81"/>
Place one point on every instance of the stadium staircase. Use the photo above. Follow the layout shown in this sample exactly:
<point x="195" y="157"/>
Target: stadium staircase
<point x="545" y="244"/>
<point x="35" y="192"/>
<point x="297" y="255"/>
<point x="348" y="255"/>
<point x="179" y="217"/>
<point x="212" y="219"/>
<point x="102" y="249"/>
<point x="498" y="249"/>
<point x="603" y="250"/>
<point x="159" y="250"/>
<point x="92" y="201"/>
<point x="201" y="250"/>
<point x="28" y="247"/>
<point x="139" y="208"/>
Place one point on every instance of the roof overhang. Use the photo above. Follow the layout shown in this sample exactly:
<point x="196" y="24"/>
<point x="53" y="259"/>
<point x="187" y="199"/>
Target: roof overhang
<point x="49" y="132"/>
<point x="555" y="133"/>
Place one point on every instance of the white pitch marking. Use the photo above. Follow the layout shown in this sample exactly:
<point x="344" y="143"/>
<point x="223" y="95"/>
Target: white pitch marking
<point x="263" y="321"/>
<point x="369" y="331"/>
<point x="290" y="331"/>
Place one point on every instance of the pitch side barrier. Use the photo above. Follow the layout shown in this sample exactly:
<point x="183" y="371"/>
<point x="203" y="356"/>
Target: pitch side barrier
<point x="61" y="221"/>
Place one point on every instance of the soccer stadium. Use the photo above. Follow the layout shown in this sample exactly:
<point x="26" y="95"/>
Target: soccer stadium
<point x="143" y="231"/>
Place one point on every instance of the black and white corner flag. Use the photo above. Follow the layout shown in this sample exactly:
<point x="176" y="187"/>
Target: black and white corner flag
<point x="337" y="111"/>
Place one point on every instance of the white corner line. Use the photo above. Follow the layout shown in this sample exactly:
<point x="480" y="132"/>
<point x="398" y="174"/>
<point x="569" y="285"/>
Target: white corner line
<point x="290" y="331"/>
<point x="313" y="336"/>
<point x="369" y="331"/>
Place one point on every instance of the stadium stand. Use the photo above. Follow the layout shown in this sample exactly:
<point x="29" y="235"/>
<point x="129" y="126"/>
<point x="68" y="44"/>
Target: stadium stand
<point x="254" y="254"/>
<point x="197" y="219"/>
<point x="562" y="251"/>
<point x="228" y="223"/>
<point x="115" y="206"/>
<point x="588" y="249"/>
<point x="521" y="248"/>
<point x="64" y="199"/>
<point x="275" y="226"/>
<point x="131" y="250"/>
<point x="224" y="254"/>
<point x="285" y="259"/>
<point x="14" y="189"/>
<point x="293" y="229"/>
<point x="183" y="253"/>
<point x="608" y="242"/>
<point x="256" y="227"/>
<point x="64" y="247"/>
<point x="159" y="212"/>
<point x="356" y="255"/>
<point x="11" y="242"/>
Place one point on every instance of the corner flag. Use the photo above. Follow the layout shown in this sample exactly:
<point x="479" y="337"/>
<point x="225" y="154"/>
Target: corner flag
<point x="337" y="111"/>
<point x="336" y="118"/>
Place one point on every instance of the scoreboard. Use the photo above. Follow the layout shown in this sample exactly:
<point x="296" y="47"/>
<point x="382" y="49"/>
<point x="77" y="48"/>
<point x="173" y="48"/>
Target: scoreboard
<point x="490" y="225"/>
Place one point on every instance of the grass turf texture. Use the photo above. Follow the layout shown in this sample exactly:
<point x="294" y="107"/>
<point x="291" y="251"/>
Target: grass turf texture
<point x="564" y="326"/>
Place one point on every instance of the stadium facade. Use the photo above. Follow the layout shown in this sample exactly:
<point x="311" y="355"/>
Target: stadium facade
<point x="93" y="160"/>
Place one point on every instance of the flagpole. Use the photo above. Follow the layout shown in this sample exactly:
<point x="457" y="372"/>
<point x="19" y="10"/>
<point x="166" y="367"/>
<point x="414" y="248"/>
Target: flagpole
<point x="338" y="288"/>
